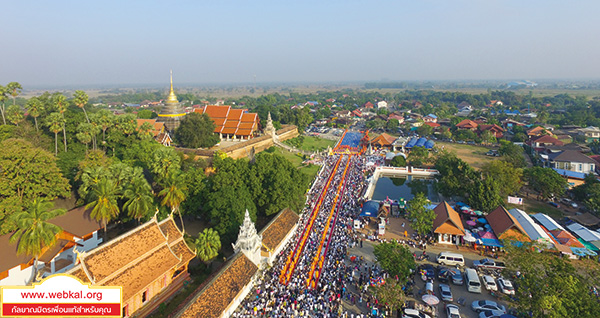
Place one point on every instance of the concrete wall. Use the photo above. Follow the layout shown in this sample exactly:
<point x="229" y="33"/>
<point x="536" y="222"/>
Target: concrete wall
<point x="243" y="149"/>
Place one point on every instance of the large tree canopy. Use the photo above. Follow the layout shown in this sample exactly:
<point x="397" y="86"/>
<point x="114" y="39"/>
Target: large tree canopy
<point x="546" y="181"/>
<point x="197" y="131"/>
<point x="27" y="173"/>
<point x="396" y="259"/>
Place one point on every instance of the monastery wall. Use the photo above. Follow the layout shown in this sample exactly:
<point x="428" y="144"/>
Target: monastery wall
<point x="244" y="148"/>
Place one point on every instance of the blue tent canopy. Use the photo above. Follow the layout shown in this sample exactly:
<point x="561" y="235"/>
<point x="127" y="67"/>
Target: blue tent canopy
<point x="582" y="251"/>
<point x="411" y="143"/>
<point x="429" y="144"/>
<point x="370" y="209"/>
<point x="421" y="142"/>
<point x="491" y="242"/>
<point x="351" y="139"/>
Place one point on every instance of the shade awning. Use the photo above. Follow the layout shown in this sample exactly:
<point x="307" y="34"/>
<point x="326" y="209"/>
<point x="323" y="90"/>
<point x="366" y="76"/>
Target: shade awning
<point x="491" y="242"/>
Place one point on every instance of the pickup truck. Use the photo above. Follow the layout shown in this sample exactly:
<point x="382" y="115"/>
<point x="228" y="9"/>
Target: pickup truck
<point x="488" y="263"/>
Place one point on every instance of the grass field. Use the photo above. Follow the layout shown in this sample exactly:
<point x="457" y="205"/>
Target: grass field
<point x="473" y="155"/>
<point x="310" y="170"/>
<point x="315" y="143"/>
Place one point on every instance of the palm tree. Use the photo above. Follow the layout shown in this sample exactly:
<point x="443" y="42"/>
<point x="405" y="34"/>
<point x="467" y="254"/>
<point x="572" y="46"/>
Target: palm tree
<point x="84" y="134"/>
<point x="33" y="231"/>
<point x="173" y="194"/>
<point x="60" y="102"/>
<point x="104" y="207"/>
<point x="55" y="122"/>
<point x="3" y="97"/>
<point x="15" y="114"/>
<point x="81" y="99"/>
<point x="35" y="108"/>
<point x="139" y="198"/>
<point x="14" y="89"/>
<point x="208" y="245"/>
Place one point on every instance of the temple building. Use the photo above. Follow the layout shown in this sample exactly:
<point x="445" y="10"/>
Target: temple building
<point x="231" y="123"/>
<point x="150" y="262"/>
<point x="171" y="114"/>
<point x="221" y="295"/>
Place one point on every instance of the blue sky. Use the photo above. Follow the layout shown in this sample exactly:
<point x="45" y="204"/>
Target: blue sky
<point x="130" y="42"/>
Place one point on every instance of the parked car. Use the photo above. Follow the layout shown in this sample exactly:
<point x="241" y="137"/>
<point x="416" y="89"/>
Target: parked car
<point x="506" y="286"/>
<point x="488" y="264"/>
<point x="452" y="311"/>
<point x="486" y="305"/>
<point x="554" y="204"/>
<point x="413" y="313"/>
<point x="443" y="274"/>
<point x="489" y="283"/>
<point x="457" y="276"/>
<point x="445" y="293"/>
<point x="491" y="314"/>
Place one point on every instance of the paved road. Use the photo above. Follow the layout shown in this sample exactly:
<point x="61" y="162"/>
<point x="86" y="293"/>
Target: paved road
<point x="457" y="291"/>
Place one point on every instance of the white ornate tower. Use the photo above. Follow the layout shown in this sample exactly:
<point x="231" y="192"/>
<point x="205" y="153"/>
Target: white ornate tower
<point x="269" y="130"/>
<point x="248" y="241"/>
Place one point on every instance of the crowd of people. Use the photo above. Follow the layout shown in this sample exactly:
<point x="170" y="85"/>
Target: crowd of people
<point x="337" y="279"/>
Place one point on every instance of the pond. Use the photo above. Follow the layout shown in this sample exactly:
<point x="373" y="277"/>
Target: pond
<point x="406" y="188"/>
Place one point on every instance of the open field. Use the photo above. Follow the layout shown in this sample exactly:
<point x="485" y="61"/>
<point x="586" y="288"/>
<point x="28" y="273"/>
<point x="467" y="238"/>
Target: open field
<point x="315" y="143"/>
<point x="471" y="154"/>
<point x="310" y="170"/>
<point x="533" y="206"/>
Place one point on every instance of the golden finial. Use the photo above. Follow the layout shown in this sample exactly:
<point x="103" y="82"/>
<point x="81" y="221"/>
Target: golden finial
<point x="172" y="98"/>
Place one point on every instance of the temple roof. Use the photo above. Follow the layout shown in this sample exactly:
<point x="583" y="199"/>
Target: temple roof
<point x="172" y="98"/>
<point x="216" y="296"/>
<point x="278" y="228"/>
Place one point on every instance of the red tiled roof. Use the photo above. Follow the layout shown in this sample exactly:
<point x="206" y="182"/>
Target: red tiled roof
<point x="214" y="111"/>
<point x="434" y="125"/>
<point x="157" y="127"/>
<point x="235" y="114"/>
<point x="249" y="118"/>
<point x="467" y="124"/>
<point x="546" y="139"/>
<point x="383" y="140"/>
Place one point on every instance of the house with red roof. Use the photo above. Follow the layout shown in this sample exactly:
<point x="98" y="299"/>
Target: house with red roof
<point x="368" y="105"/>
<point x="467" y="124"/>
<point x="496" y="130"/>
<point x="383" y="141"/>
<point x="506" y="226"/>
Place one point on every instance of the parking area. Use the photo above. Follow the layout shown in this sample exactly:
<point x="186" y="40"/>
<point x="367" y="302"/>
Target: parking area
<point x="458" y="291"/>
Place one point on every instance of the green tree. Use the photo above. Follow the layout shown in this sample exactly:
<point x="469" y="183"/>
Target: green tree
<point x="208" y="245"/>
<point x="14" y="113"/>
<point x="398" y="161"/>
<point x="512" y="154"/>
<point x="418" y="156"/>
<point x="27" y="173"/>
<point x="545" y="181"/>
<point x="165" y="162"/>
<point x="173" y="194"/>
<point x="508" y="177"/>
<point x="60" y="104"/>
<point x="80" y="98"/>
<point x="552" y="286"/>
<point x="14" y="89"/>
<point x="55" y="123"/>
<point x="455" y="175"/>
<point x="104" y="206"/>
<point x="197" y="131"/>
<point x="34" y="232"/>
<point x="390" y="294"/>
<point x="484" y="194"/>
<point x="84" y="134"/>
<point x="146" y="114"/>
<point x="392" y="125"/>
<point x="425" y="130"/>
<point x="103" y="119"/>
<point x="420" y="216"/>
<point x="138" y="194"/>
<point x="126" y="124"/>
<point x="35" y="108"/>
<point x="396" y="259"/>
<point x="488" y="137"/>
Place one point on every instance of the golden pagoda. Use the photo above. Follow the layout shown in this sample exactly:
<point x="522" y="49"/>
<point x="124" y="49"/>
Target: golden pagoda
<point x="171" y="113"/>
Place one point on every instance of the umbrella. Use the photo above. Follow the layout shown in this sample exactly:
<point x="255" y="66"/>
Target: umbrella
<point x="469" y="238"/>
<point x="471" y="223"/>
<point x="431" y="300"/>
<point x="482" y="220"/>
<point x="478" y="212"/>
<point x="487" y="226"/>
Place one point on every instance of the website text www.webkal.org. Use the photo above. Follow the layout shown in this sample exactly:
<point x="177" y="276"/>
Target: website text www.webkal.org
<point x="69" y="299"/>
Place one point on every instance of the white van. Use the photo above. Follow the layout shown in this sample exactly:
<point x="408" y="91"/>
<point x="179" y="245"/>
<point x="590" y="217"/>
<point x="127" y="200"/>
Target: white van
<point x="472" y="281"/>
<point x="450" y="259"/>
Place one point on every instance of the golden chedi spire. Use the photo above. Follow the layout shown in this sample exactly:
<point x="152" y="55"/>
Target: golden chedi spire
<point x="172" y="98"/>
